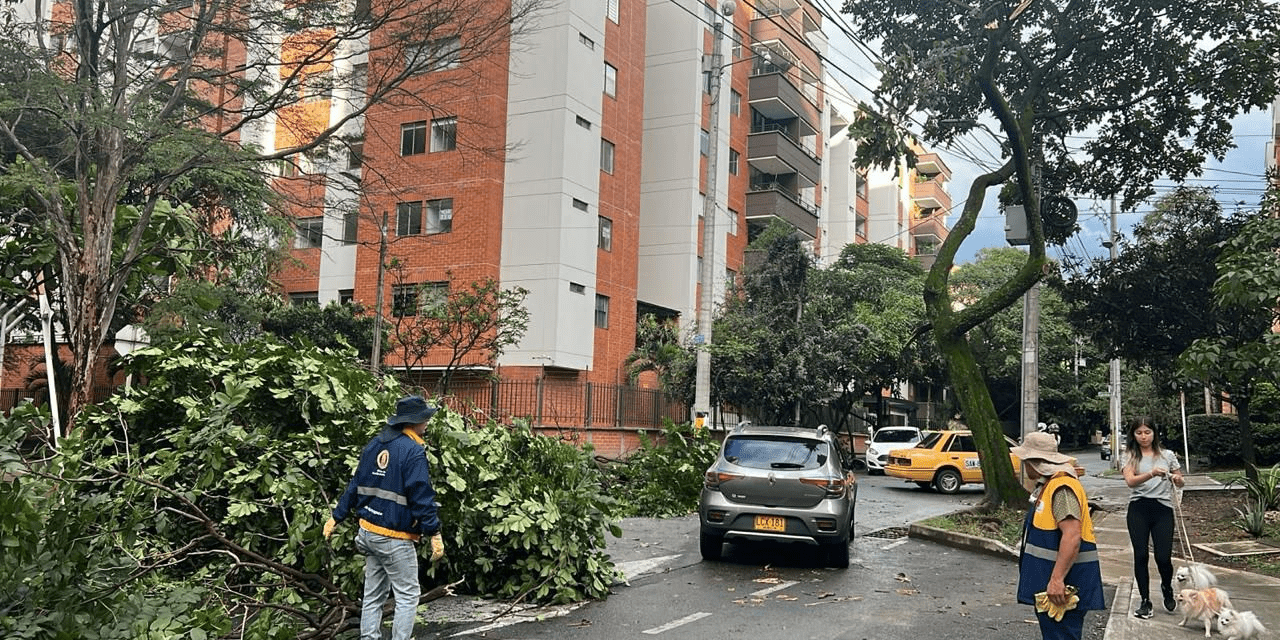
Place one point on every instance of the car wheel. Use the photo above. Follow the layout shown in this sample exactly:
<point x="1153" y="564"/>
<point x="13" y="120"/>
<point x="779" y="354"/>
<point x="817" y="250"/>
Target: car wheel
<point x="711" y="545"/>
<point x="838" y="554"/>
<point x="947" y="481"/>
<point x="923" y="485"/>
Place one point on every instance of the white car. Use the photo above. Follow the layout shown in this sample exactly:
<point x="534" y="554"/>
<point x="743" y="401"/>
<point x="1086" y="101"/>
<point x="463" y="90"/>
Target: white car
<point x="885" y="440"/>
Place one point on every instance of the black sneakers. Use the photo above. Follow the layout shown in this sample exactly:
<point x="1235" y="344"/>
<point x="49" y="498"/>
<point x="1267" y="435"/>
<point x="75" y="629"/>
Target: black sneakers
<point x="1144" y="610"/>
<point x="1169" y="603"/>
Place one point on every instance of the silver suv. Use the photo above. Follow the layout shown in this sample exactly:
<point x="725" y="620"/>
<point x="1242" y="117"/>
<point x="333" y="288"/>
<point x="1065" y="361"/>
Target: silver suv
<point x="779" y="483"/>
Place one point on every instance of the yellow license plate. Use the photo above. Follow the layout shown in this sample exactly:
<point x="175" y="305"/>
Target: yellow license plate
<point x="771" y="523"/>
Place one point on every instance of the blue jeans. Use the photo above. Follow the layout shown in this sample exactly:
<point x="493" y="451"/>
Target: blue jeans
<point x="390" y="567"/>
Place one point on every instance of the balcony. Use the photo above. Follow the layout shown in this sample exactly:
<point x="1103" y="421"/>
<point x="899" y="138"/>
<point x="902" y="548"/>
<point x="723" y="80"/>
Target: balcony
<point x="934" y="225"/>
<point x="777" y="98"/>
<point x="931" y="164"/>
<point x="771" y="150"/>
<point x="766" y="201"/>
<point x="930" y="194"/>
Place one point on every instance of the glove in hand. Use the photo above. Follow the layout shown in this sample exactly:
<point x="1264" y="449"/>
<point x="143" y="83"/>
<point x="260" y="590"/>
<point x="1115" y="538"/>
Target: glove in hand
<point x="1043" y="605"/>
<point x="437" y="547"/>
<point x="329" y="527"/>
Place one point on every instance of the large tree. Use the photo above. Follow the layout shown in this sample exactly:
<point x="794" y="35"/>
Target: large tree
<point x="1152" y="85"/>
<point x="123" y="102"/>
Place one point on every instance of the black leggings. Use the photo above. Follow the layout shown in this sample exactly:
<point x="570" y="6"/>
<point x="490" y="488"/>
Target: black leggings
<point x="1148" y="519"/>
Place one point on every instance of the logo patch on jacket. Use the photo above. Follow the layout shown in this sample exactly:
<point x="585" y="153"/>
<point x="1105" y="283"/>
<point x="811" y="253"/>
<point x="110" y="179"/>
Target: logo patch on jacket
<point x="384" y="458"/>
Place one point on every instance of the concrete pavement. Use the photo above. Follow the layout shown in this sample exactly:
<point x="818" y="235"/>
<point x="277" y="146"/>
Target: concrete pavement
<point x="1248" y="591"/>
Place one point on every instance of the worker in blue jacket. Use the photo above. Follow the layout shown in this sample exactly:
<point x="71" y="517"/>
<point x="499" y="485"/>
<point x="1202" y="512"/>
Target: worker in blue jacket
<point x="392" y="498"/>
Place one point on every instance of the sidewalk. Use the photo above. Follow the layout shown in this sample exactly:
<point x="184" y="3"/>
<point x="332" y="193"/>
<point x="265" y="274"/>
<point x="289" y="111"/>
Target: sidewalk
<point x="1248" y="591"/>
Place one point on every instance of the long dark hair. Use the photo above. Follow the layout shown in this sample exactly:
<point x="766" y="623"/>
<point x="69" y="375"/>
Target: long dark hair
<point x="1131" y="443"/>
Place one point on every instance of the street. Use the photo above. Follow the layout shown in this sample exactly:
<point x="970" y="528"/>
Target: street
<point x="895" y="586"/>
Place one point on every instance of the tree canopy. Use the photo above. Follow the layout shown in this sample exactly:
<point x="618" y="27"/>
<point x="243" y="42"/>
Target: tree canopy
<point x="1150" y="85"/>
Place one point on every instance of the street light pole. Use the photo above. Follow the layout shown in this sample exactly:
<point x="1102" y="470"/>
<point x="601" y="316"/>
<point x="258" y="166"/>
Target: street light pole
<point x="702" y="381"/>
<point x="1115" y="362"/>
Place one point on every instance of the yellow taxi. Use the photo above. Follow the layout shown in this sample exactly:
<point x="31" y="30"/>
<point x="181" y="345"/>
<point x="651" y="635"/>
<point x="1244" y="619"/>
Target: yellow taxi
<point x="945" y="460"/>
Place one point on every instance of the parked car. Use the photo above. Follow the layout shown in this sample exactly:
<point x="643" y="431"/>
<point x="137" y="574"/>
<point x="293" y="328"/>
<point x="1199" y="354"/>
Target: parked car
<point x="1105" y="447"/>
<point x="946" y="461"/>
<point x="784" y="484"/>
<point x="886" y="439"/>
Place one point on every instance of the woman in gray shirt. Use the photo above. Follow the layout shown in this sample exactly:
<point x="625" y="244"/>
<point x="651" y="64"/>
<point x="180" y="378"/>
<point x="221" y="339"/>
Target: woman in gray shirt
<point x="1151" y="472"/>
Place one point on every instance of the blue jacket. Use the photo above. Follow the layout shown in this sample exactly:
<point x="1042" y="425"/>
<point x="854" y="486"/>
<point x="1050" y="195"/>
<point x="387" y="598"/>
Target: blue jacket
<point x="391" y="492"/>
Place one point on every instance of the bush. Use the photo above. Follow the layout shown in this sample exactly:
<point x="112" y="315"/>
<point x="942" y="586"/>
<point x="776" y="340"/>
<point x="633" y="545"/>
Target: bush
<point x="1217" y="436"/>
<point x="663" y="478"/>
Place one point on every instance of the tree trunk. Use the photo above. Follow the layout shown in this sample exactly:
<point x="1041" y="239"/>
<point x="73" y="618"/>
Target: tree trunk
<point x="1002" y="487"/>
<point x="1247" y="453"/>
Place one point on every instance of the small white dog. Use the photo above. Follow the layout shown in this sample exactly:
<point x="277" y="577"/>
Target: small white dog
<point x="1195" y="576"/>
<point x="1240" y="625"/>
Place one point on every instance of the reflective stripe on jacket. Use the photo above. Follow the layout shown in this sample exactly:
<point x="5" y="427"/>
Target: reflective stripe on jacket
<point x="1040" y="549"/>
<point x="391" y="492"/>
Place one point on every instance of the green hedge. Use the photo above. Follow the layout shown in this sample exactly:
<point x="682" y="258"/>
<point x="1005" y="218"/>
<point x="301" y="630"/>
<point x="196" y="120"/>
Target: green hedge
<point x="1217" y="437"/>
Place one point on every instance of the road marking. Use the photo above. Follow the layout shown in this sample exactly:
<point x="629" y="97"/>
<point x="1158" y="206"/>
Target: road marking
<point x="896" y="543"/>
<point x="693" y="617"/>
<point x="527" y="614"/>
<point x="777" y="587"/>
<point x="637" y="567"/>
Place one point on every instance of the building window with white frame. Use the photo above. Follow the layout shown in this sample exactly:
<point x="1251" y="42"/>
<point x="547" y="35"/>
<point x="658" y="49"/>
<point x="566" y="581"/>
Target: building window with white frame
<point x="733" y="161"/>
<point x="735" y="102"/>
<point x="604" y="239"/>
<point x="444" y="134"/>
<point x="440" y="54"/>
<point x="610" y="80"/>
<point x="611" y="10"/>
<point x="350" y="227"/>
<point x="440" y="215"/>
<point x="310" y="233"/>
<point x="704" y="142"/>
<point x="408" y="218"/>
<point x="606" y="156"/>
<point x="602" y="311"/>
<point x="413" y="138"/>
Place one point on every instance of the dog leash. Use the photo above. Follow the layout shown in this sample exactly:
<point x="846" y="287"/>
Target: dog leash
<point x="1184" y="538"/>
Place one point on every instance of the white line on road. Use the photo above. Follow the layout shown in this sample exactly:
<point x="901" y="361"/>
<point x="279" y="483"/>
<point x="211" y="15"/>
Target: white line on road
<point x="896" y="543"/>
<point x="637" y="567"/>
<point x="693" y="617"/>
<point x="777" y="587"/>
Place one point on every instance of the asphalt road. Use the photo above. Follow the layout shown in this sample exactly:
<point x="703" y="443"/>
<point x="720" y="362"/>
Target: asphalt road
<point x="895" y="587"/>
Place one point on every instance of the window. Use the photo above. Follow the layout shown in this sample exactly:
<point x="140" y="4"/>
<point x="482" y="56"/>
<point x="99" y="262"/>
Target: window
<point x="355" y="155"/>
<point x="443" y="54"/>
<point x="610" y="80"/>
<point x="440" y="215"/>
<point x="735" y="52"/>
<point x="413" y="137"/>
<point x="174" y="47"/>
<point x="612" y="10"/>
<point x="359" y="78"/>
<point x="580" y="205"/>
<point x="587" y="42"/>
<point x="444" y="134"/>
<point x="363" y="11"/>
<point x="583" y="122"/>
<point x="733" y="162"/>
<point x="346" y="296"/>
<point x="605" y="238"/>
<point x="735" y="102"/>
<point x="861" y="179"/>
<point x="733" y="222"/>
<point x="408" y="218"/>
<point x="350" y="223"/>
<point x="577" y="288"/>
<point x="602" y="311"/>
<point x="730" y="278"/>
<point x="704" y="142"/>
<point x="317" y="86"/>
<point x="304" y="297"/>
<point x="310" y="232"/>
<point x="404" y="300"/>
<point x="433" y="296"/>
<point x="606" y="156"/>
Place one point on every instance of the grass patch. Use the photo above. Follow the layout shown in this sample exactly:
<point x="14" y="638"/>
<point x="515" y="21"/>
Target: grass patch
<point x="1004" y="524"/>
<point x="1226" y="476"/>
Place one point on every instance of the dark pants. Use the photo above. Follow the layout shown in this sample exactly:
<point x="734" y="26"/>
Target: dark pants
<point x="1148" y="519"/>
<point x="1071" y="627"/>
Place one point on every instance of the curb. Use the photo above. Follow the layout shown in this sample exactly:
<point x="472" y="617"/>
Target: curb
<point x="962" y="541"/>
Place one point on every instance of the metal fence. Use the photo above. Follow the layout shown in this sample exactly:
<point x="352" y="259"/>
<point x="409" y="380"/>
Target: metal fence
<point x="555" y="403"/>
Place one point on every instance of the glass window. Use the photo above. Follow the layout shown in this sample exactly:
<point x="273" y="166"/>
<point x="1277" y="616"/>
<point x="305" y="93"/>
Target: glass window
<point x="577" y="288"/>
<point x="404" y="300"/>
<point x="776" y="453"/>
<point x="606" y="156"/>
<point x="602" y="311"/>
<point x="735" y="102"/>
<point x="355" y="155"/>
<point x="612" y="11"/>
<point x="583" y="122"/>
<point x="346" y="296"/>
<point x="440" y="215"/>
<point x="317" y="86"/>
<point x="733" y="162"/>
<point x="408" y="218"/>
<point x="350" y="224"/>
<point x="580" y="205"/>
<point x="704" y="142"/>
<point x="610" y="80"/>
<point x="413" y="138"/>
<point x="359" y="78"/>
<point x="304" y="297"/>
<point x="433" y="296"/>
<point x="310" y="233"/>
<point x="437" y="55"/>
<point x="605" y="239"/>
<point x="444" y="134"/>
<point x="587" y="42"/>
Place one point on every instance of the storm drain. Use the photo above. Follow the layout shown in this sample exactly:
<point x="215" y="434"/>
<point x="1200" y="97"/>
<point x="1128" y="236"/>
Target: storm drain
<point x="891" y="533"/>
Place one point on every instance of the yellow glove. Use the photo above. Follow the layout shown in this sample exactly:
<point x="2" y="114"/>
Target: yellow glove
<point x="437" y="547"/>
<point x="329" y="527"/>
<point x="1044" y="605"/>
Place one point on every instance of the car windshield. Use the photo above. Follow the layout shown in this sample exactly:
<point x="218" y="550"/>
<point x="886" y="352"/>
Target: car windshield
<point x="776" y="453"/>
<point x="928" y="441"/>
<point x="895" y="435"/>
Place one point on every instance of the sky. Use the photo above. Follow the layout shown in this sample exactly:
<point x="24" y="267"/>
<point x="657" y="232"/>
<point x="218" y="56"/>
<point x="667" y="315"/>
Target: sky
<point x="1238" y="178"/>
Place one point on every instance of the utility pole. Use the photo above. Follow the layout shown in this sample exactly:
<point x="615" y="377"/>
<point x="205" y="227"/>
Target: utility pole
<point x="713" y="66"/>
<point x="1030" y="360"/>
<point x="1116" y="434"/>
<point x="375" y="360"/>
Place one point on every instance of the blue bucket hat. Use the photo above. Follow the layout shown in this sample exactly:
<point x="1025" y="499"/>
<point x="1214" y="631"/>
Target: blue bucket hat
<point x="411" y="410"/>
